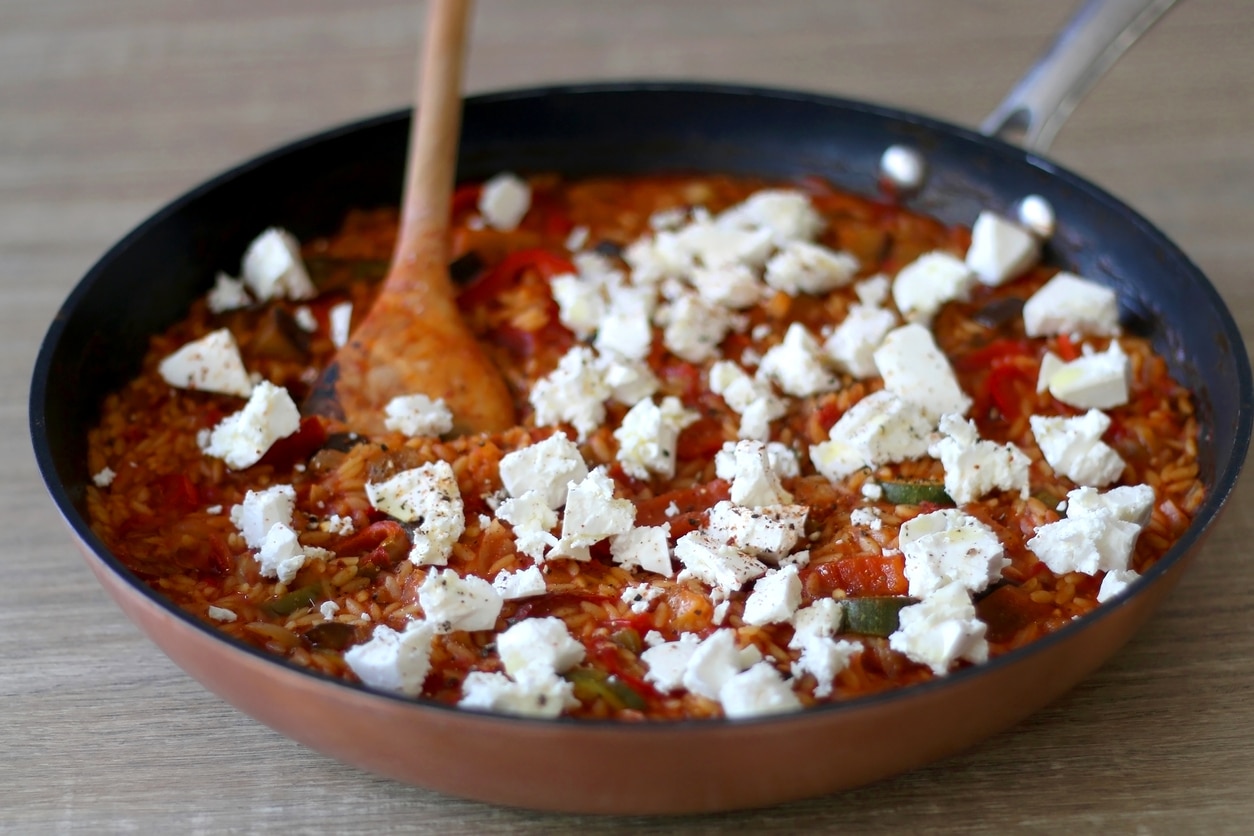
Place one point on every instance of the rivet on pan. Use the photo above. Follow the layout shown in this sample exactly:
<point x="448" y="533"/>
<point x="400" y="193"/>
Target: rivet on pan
<point x="1037" y="214"/>
<point x="903" y="168"/>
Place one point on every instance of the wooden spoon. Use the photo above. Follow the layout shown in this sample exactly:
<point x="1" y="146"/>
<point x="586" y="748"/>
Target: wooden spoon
<point x="413" y="340"/>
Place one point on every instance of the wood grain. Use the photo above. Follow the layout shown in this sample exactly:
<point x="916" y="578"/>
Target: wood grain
<point x="108" y="110"/>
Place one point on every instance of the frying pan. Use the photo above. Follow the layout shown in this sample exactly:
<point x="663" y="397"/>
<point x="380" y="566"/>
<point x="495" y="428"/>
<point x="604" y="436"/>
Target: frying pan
<point x="98" y="337"/>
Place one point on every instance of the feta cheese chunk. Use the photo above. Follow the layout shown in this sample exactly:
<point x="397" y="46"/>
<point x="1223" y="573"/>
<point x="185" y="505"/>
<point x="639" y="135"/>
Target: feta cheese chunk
<point x="221" y="614"/>
<point x="104" y="477"/>
<point x="803" y="267"/>
<point x="625" y="329"/>
<point x="775" y="597"/>
<point x="227" y="294"/>
<point x="242" y="438"/>
<point x="452" y="603"/>
<point x="280" y="555"/>
<point x="1093" y="381"/>
<point x="262" y="510"/>
<point x="758" y="691"/>
<point x="1069" y="304"/>
<point x="1091" y="543"/>
<point x="754" y="470"/>
<point x="1073" y="447"/>
<point x="940" y="630"/>
<point x="879" y="429"/>
<point x="824" y="658"/>
<point x="666" y="662"/>
<point x="340" y="321"/>
<point x="974" y="467"/>
<point x="525" y="583"/>
<point x="546" y="467"/>
<point x="734" y="286"/>
<point x="646" y="547"/>
<point x="1114" y="583"/>
<point x="716" y="564"/>
<point x="914" y="368"/>
<point x="796" y="365"/>
<point x="392" y="661"/>
<point x="928" y="282"/>
<point x="649" y="436"/>
<point x="822" y="619"/>
<point x="592" y="514"/>
<point x="533" y="693"/>
<point x="641" y="596"/>
<point x="418" y="415"/>
<point x="573" y="393"/>
<point x="1130" y="503"/>
<point x="428" y="496"/>
<point x="694" y="328"/>
<point x="786" y="213"/>
<point x="950" y="547"/>
<point x="767" y="532"/>
<point x="715" y="661"/>
<point x="532" y="520"/>
<point x="629" y="381"/>
<point x="504" y="201"/>
<point x="1000" y="249"/>
<point x="272" y="267"/>
<point x="209" y="364"/>
<point x="753" y="400"/>
<point x="543" y="643"/>
<point x="853" y="343"/>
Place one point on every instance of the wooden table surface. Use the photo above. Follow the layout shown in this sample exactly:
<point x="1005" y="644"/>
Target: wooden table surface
<point x="110" y="109"/>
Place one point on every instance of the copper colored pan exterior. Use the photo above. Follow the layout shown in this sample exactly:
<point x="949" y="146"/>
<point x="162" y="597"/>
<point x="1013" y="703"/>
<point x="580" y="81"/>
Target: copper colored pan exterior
<point x="598" y="766"/>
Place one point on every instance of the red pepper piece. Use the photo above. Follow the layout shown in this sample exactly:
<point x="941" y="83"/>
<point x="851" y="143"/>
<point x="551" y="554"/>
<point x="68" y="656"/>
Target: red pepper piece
<point x="861" y="575"/>
<point x="508" y="272"/>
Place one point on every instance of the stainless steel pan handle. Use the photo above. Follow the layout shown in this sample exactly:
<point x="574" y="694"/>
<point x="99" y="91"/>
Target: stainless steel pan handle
<point x="1090" y="43"/>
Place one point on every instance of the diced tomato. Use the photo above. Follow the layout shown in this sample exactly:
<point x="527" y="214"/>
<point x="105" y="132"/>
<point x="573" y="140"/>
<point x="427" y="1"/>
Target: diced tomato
<point x="384" y="543"/>
<point x="509" y="271"/>
<point x="1067" y="350"/>
<point x="684" y="379"/>
<point x="691" y="502"/>
<point x="997" y="350"/>
<point x="1010" y="381"/>
<point x="860" y="576"/>
<point x="465" y="198"/>
<point x="178" y="493"/>
<point x="299" y="446"/>
<point x="700" y="439"/>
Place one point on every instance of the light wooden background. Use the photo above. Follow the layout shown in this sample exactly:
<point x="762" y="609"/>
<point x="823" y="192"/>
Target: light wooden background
<point x="110" y="109"/>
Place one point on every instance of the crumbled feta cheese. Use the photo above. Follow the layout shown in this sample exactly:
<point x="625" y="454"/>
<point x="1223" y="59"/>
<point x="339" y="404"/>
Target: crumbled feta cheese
<point x="1090" y="543"/>
<point x="796" y="364"/>
<point x="1073" y="447"/>
<point x="775" y="597"/>
<point x="533" y="693"/>
<point x="335" y="524"/>
<point x="940" y="630"/>
<point x="504" y="201"/>
<point x="209" y="364"/>
<point x="262" y="510"/>
<point x="429" y="497"/>
<point x="547" y="467"/>
<point x="1069" y="304"/>
<point x="715" y="661"/>
<point x="824" y="658"/>
<point x="754" y="470"/>
<point x="757" y="691"/>
<point x="641" y="596"/>
<point x="734" y="286"/>
<point x="625" y="329"/>
<point x="418" y="415"/>
<point x="822" y="619"/>
<point x="542" y="643"/>
<point x="694" y="328"/>
<point x="852" y="344"/>
<point x="328" y="609"/>
<point x="525" y="583"/>
<point x="577" y="238"/>
<point x="273" y="269"/>
<point x="803" y="267"/>
<point x="647" y="547"/>
<point x="280" y="555"/>
<point x="768" y="532"/>
<point x="305" y="319"/>
<point x="667" y="661"/>
<point x="340" y="321"/>
<point x="873" y="292"/>
<point x="532" y="520"/>
<point x="1093" y="381"/>
<point x="392" y="661"/>
<point x="716" y="564"/>
<point x="872" y="491"/>
<point x="866" y="517"/>
<point x="452" y="603"/>
<point x="573" y="393"/>
<point x="242" y="438"/>
<point x="753" y="400"/>
<point x="581" y="303"/>
<point x="786" y="213"/>
<point x="928" y="282"/>
<point x="879" y="429"/>
<point x="649" y="436"/>
<point x="221" y="614"/>
<point x="974" y="467"/>
<point x="592" y="514"/>
<point x="1000" y="249"/>
<point x="914" y="368"/>
<point x="1130" y="503"/>
<point x="1115" y="582"/>
<point x="104" y="477"/>
<point x="227" y="294"/>
<point x="629" y="381"/>
<point x="950" y="547"/>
